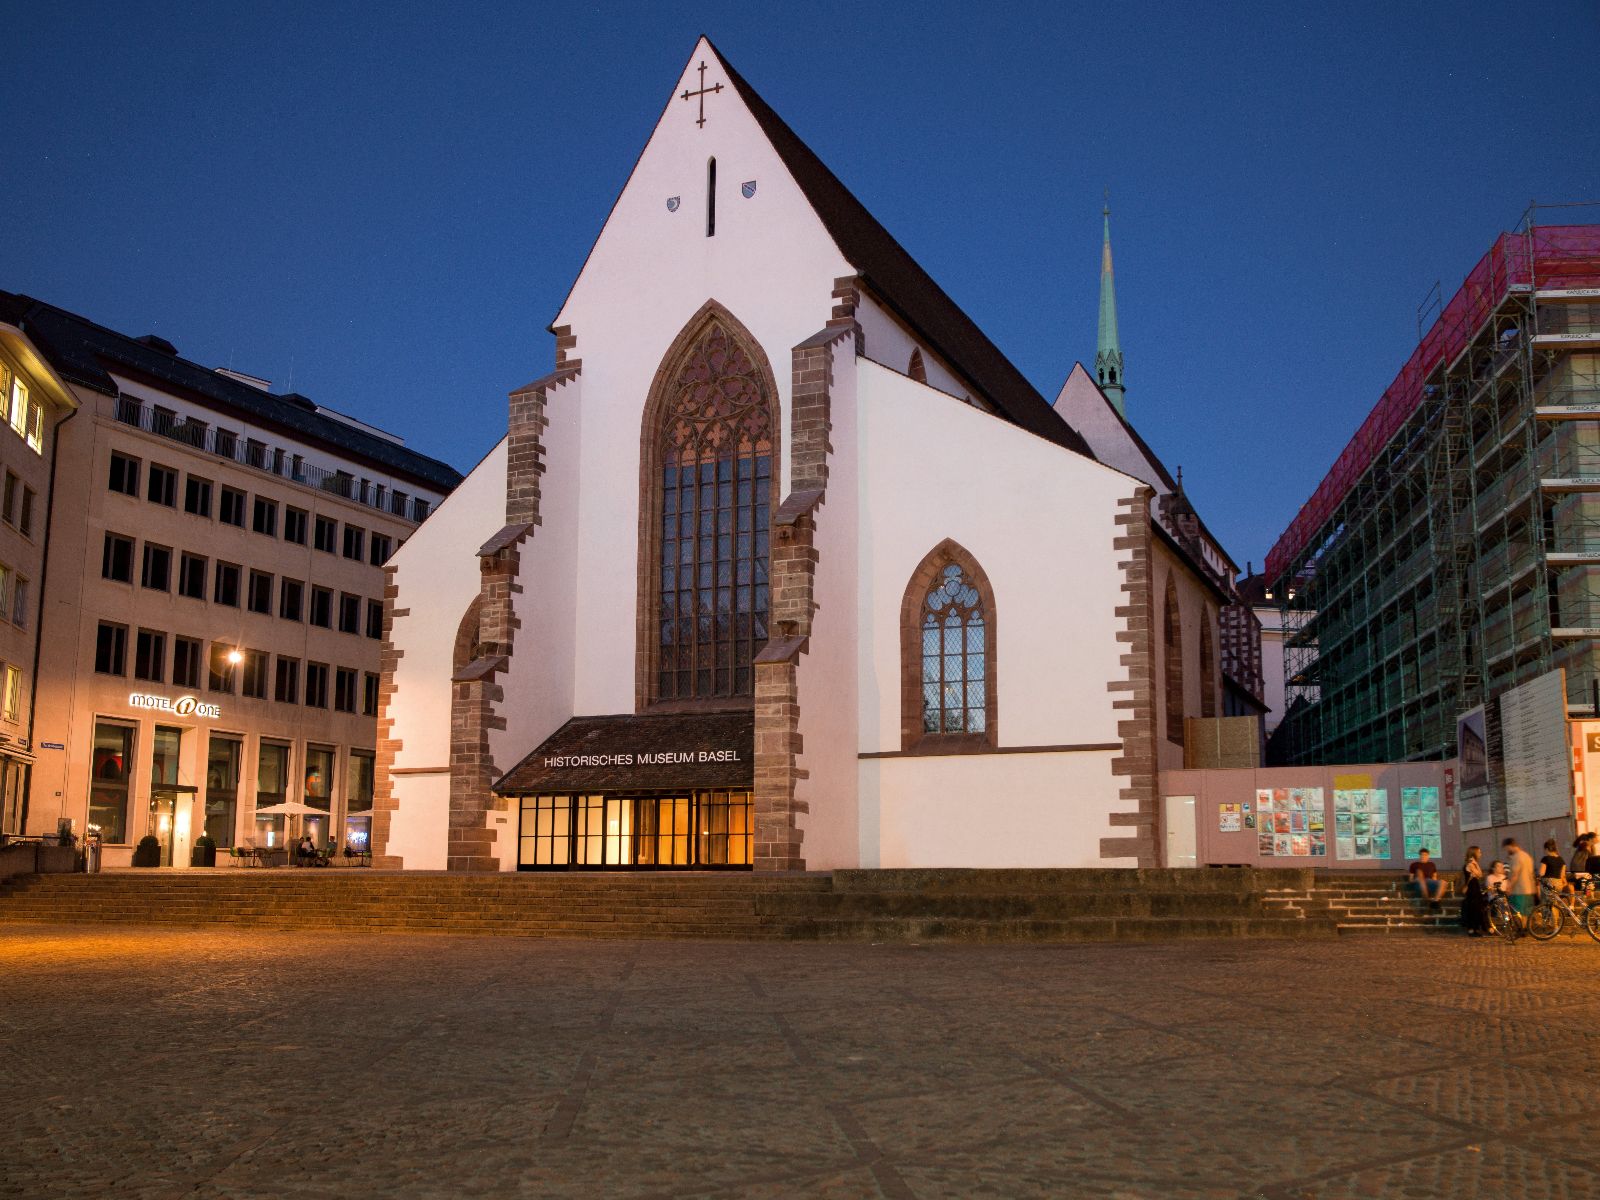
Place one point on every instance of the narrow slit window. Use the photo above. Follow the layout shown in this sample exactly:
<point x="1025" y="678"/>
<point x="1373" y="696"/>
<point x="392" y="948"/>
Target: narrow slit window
<point x="711" y="198"/>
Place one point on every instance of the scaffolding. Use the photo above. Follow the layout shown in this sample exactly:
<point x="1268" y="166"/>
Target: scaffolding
<point x="1453" y="551"/>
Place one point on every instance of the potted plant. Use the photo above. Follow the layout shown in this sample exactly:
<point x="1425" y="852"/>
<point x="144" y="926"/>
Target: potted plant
<point x="204" y="853"/>
<point x="148" y="852"/>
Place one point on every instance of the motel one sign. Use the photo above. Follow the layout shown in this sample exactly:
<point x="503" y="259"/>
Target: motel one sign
<point x="182" y="706"/>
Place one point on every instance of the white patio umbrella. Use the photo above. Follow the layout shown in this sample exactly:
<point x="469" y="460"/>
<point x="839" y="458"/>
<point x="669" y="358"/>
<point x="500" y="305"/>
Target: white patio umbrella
<point x="291" y="808"/>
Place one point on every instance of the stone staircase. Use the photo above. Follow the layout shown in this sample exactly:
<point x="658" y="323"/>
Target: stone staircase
<point x="947" y="905"/>
<point x="1372" y="902"/>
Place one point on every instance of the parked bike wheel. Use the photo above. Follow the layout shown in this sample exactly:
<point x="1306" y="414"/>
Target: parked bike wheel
<point x="1545" y="921"/>
<point x="1503" y="921"/>
<point x="1591" y="921"/>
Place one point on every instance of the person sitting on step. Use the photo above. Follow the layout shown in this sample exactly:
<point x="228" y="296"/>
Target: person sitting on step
<point x="1425" y="881"/>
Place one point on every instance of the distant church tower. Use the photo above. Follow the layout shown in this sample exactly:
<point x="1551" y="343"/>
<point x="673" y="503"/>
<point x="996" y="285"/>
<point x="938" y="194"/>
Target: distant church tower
<point x="1108" y="353"/>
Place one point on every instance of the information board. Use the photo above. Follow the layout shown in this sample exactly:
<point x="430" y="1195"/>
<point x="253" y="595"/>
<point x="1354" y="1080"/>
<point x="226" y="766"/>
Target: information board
<point x="1538" y="773"/>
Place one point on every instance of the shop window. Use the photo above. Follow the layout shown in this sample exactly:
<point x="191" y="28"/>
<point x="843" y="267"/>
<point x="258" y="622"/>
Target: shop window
<point x="707" y="473"/>
<point x="947" y="620"/>
<point x="186" y="654"/>
<point x="192" y="569"/>
<point x="272" y="789"/>
<point x="116" y="558"/>
<point x="110" y="764"/>
<point x="319" y="778"/>
<point x="150" y="656"/>
<point x="111" y="649"/>
<point x="222" y="788"/>
<point x="358" y="803"/>
<point x="163" y="488"/>
<point x="124" y="475"/>
<point x="156" y="573"/>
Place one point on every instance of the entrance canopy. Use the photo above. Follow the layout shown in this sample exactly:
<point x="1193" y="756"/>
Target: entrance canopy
<point x="656" y="752"/>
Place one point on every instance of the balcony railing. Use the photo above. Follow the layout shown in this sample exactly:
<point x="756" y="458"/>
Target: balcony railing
<point x="248" y="452"/>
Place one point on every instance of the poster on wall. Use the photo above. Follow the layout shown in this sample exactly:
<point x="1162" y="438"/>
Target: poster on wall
<point x="1419" y="818"/>
<point x="1533" y="729"/>
<point x="1293" y="823"/>
<point x="1230" y="818"/>
<point x="1361" y="821"/>
<point x="1472" y="748"/>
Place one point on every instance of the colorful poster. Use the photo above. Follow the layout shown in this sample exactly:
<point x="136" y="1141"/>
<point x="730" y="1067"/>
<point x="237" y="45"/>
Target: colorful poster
<point x="1361" y="821"/>
<point x="1264" y="844"/>
<point x="1230" y="818"/>
<point x="1300" y="846"/>
<point x="1319" y="845"/>
<point x="1419" y="819"/>
<point x="1284" y="845"/>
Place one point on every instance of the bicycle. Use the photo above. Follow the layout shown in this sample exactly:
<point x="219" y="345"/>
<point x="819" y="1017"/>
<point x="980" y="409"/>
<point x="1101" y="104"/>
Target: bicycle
<point x="1502" y="917"/>
<point x="1549" y="916"/>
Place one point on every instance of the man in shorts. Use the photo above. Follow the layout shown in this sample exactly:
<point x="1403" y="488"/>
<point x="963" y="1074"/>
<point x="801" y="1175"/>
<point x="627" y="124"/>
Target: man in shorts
<point x="1521" y="888"/>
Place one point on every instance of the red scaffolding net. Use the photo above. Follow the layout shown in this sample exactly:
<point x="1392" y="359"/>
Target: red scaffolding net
<point x="1553" y="256"/>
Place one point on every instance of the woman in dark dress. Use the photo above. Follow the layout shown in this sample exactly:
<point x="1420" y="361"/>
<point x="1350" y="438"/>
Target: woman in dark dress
<point x="1474" y="900"/>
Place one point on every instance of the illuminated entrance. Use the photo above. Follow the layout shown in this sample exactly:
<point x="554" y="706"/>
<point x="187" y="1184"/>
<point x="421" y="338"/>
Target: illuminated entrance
<point x="698" y="830"/>
<point x="650" y="792"/>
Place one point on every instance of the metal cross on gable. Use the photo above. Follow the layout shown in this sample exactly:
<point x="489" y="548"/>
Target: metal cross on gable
<point x="702" y="94"/>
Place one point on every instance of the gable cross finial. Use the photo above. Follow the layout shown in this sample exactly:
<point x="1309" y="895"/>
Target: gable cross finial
<point x="701" y="93"/>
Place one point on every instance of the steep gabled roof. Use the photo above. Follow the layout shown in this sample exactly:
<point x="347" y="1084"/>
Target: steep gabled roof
<point x="897" y="279"/>
<point x="85" y="354"/>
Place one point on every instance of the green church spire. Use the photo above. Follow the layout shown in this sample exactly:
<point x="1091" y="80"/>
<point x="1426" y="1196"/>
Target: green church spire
<point x="1108" y="353"/>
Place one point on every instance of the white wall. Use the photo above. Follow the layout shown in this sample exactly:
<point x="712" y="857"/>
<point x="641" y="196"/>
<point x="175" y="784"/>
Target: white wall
<point x="888" y="343"/>
<point x="1083" y="406"/>
<point x="437" y="574"/>
<point x="826" y="676"/>
<point x="1039" y="521"/>
<point x="771" y="264"/>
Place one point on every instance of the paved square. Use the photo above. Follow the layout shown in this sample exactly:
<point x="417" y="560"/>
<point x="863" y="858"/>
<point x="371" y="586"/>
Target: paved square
<point x="159" y="1063"/>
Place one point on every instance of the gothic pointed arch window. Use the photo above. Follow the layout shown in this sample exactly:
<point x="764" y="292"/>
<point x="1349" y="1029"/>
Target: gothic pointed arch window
<point x="1208" y="668"/>
<point x="709" y="483"/>
<point x="1172" y="645"/>
<point x="949" y="688"/>
<point x="915" y="368"/>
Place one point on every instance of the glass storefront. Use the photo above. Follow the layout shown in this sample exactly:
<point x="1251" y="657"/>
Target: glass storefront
<point x="319" y="794"/>
<point x="222" y="789"/>
<point x="272" y="788"/>
<point x="358" y="803"/>
<point x="108" y="780"/>
<point x="662" y="832"/>
<point x="167" y="745"/>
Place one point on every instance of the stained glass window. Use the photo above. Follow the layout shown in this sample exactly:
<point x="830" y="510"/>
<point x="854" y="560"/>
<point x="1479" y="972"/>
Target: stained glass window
<point x="715" y="459"/>
<point x="955" y="656"/>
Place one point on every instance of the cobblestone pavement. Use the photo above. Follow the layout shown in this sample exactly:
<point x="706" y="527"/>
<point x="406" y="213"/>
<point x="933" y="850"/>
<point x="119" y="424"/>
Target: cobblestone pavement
<point x="157" y="1063"/>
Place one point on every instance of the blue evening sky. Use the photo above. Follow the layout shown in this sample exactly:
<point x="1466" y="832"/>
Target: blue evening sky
<point x="385" y="204"/>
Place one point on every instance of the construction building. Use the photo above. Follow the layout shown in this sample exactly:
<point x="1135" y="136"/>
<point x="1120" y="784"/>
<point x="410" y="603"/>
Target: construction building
<point x="1453" y="551"/>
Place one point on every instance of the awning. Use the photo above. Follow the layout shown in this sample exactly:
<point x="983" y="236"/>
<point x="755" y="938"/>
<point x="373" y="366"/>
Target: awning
<point x="656" y="752"/>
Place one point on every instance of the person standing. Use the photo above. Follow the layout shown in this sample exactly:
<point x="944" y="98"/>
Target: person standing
<point x="1474" y="899"/>
<point x="1521" y="888"/>
<point x="1582" y="850"/>
<point x="1553" y="868"/>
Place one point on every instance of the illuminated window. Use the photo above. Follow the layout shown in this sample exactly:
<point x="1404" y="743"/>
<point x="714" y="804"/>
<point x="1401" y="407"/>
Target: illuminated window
<point x="713" y="436"/>
<point x="19" y="407"/>
<point x="13" y="693"/>
<point x="109" y="768"/>
<point x="695" y="829"/>
<point x="222" y="788"/>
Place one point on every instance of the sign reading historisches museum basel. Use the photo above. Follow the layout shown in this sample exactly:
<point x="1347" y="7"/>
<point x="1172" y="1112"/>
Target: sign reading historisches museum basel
<point x="178" y="706"/>
<point x="643" y="752"/>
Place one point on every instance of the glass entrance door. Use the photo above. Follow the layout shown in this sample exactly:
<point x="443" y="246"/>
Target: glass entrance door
<point x="164" y="788"/>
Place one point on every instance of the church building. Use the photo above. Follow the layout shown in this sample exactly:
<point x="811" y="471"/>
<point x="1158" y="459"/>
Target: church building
<point x="786" y="566"/>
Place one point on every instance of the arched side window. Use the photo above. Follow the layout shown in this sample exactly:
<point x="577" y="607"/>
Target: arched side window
<point x="949" y="687"/>
<point x="915" y="369"/>
<point x="1172" y="640"/>
<point x="468" y="649"/>
<point x="708" y="490"/>
<point x="1208" y="669"/>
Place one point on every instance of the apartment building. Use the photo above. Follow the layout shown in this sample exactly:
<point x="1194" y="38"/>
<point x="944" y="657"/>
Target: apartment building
<point x="212" y="615"/>
<point x="33" y="402"/>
